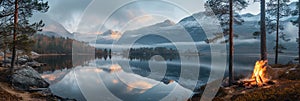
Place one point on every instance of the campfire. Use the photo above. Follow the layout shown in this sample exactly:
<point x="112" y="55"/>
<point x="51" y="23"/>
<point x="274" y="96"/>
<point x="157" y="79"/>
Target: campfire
<point x="259" y="76"/>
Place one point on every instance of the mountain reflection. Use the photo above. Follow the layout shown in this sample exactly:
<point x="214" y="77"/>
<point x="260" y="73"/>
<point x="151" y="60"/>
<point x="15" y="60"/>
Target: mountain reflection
<point x="123" y="85"/>
<point x="61" y="62"/>
<point x="83" y="75"/>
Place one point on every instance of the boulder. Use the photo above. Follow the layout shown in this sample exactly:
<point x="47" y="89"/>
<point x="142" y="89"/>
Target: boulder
<point x="26" y="78"/>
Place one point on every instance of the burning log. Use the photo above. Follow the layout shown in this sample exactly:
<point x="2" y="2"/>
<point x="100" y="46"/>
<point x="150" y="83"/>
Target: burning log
<point x="259" y="76"/>
<point x="259" y="73"/>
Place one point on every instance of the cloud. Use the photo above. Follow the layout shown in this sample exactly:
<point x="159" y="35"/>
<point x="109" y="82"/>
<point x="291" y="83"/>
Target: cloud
<point x="67" y="12"/>
<point x="87" y="16"/>
<point x="145" y="19"/>
<point x="142" y="21"/>
<point x="116" y="14"/>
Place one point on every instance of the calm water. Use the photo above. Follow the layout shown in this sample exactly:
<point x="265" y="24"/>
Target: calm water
<point x="119" y="78"/>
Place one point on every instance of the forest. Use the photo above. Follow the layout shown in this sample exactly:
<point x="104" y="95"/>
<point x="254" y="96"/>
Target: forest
<point x="52" y="45"/>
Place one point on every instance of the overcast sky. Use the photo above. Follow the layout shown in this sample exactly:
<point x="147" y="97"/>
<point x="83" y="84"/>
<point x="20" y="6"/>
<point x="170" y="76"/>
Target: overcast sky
<point x="87" y="16"/>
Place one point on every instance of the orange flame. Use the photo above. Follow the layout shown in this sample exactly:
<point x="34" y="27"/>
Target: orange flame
<point x="259" y="73"/>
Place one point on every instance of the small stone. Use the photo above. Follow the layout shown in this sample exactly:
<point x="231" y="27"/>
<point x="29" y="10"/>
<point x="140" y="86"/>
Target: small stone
<point x="225" y="82"/>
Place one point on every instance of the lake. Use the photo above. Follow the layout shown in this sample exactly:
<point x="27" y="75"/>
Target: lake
<point x="132" y="79"/>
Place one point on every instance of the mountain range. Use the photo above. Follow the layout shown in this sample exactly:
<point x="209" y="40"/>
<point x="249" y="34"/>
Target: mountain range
<point x="185" y="31"/>
<point x="52" y="28"/>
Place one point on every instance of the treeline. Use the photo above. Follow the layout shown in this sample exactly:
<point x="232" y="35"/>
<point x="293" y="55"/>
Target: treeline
<point x="103" y="53"/>
<point x="52" y="45"/>
<point x="147" y="53"/>
<point x="59" y="45"/>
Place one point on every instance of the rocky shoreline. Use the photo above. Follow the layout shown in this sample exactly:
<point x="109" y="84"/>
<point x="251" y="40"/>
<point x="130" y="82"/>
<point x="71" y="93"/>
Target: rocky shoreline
<point x="25" y="83"/>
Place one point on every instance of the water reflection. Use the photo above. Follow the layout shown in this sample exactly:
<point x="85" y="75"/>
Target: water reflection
<point x="61" y="62"/>
<point x="103" y="54"/>
<point x="123" y="81"/>
<point x="127" y="82"/>
<point x="111" y="81"/>
<point x="54" y="63"/>
<point x="55" y="76"/>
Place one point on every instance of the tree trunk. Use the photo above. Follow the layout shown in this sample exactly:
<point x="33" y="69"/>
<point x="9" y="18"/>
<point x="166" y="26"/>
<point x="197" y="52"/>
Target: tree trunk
<point x="231" y="49"/>
<point x="263" y="43"/>
<point x="14" y="37"/>
<point x="4" y="56"/>
<point x="17" y="59"/>
<point x="299" y="31"/>
<point x="277" y="32"/>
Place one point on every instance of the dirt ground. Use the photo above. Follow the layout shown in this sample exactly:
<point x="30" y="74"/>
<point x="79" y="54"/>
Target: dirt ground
<point x="286" y="87"/>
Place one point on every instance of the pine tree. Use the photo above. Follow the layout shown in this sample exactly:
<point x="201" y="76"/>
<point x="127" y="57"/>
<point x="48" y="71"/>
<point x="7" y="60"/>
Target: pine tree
<point x="297" y="23"/>
<point x="224" y="10"/>
<point x="278" y="8"/>
<point x="5" y="39"/>
<point x="17" y="13"/>
<point x="221" y="10"/>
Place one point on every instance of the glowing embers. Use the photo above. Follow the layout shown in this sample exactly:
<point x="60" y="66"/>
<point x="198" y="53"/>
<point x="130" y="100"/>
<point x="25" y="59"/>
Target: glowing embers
<point x="259" y="76"/>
